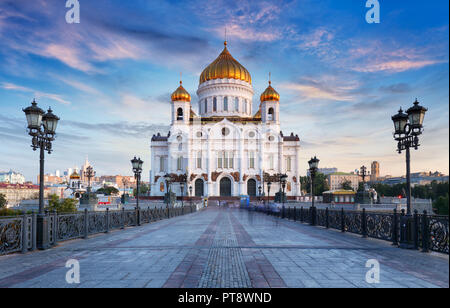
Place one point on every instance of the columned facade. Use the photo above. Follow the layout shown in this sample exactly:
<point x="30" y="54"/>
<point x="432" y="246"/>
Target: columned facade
<point x="225" y="148"/>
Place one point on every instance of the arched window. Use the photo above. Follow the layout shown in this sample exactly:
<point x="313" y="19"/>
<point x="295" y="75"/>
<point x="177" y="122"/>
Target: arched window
<point x="161" y="164"/>
<point x="236" y="104"/>
<point x="180" y="163"/>
<point x="180" y="114"/>
<point x="251" y="160"/>
<point x="288" y="164"/>
<point x="214" y="104"/>
<point x="206" y="106"/>
<point x="225" y="103"/>
<point x="180" y="147"/>
<point x="199" y="159"/>
<point x="271" y="116"/>
<point x="245" y="106"/>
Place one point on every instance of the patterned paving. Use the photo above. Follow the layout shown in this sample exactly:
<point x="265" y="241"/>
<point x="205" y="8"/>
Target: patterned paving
<point x="225" y="248"/>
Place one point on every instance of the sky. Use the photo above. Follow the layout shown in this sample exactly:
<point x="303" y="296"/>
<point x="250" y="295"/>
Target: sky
<point x="109" y="77"/>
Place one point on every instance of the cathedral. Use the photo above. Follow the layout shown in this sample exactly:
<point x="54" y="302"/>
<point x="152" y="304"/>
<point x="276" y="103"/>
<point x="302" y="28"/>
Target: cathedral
<point x="225" y="149"/>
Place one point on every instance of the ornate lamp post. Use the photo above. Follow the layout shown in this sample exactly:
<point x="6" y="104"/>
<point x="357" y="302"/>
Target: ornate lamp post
<point x="283" y="178"/>
<point x="182" y="192"/>
<point x="268" y="191"/>
<point x="190" y="194"/>
<point x="259" y="191"/>
<point x="408" y="127"/>
<point x="42" y="128"/>
<point x="89" y="174"/>
<point x="168" y="180"/>
<point x="137" y="163"/>
<point x="313" y="167"/>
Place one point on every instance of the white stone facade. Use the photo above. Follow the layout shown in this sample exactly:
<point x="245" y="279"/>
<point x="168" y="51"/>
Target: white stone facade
<point x="226" y="148"/>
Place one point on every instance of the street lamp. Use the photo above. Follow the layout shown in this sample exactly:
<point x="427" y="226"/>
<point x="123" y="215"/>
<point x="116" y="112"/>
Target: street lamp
<point x="259" y="191"/>
<point x="407" y="128"/>
<point x="182" y="192"/>
<point x="313" y="167"/>
<point x="89" y="173"/>
<point x="136" y="164"/>
<point x="283" y="178"/>
<point x="268" y="191"/>
<point x="42" y="128"/>
<point x="190" y="193"/>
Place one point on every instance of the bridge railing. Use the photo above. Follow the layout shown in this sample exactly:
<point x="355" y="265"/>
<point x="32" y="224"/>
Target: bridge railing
<point x="18" y="234"/>
<point x="430" y="232"/>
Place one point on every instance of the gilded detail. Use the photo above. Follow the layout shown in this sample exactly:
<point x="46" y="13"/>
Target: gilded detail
<point x="225" y="66"/>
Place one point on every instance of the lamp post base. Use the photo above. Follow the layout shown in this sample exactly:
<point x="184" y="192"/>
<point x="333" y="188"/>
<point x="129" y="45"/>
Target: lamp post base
<point x="407" y="232"/>
<point x="42" y="241"/>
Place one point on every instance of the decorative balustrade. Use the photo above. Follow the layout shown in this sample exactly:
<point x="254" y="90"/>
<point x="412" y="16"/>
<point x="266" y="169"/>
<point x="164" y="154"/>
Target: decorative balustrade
<point x="430" y="232"/>
<point x="18" y="234"/>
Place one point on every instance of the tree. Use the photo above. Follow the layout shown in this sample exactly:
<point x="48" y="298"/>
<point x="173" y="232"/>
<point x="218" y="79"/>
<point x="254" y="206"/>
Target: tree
<point x="320" y="184"/>
<point x="347" y="185"/>
<point x="108" y="191"/>
<point x="61" y="206"/>
<point x="143" y="189"/>
<point x="3" y="201"/>
<point x="440" y="206"/>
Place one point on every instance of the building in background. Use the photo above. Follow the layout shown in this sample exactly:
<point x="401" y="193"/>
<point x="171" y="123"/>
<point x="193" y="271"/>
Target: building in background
<point x="50" y="179"/>
<point x="374" y="171"/>
<point x="324" y="171"/>
<point x="118" y="181"/>
<point x="12" y="177"/>
<point x="15" y="193"/>
<point x="335" y="180"/>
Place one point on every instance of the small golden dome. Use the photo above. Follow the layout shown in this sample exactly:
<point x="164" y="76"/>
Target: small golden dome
<point x="225" y="66"/>
<point x="270" y="94"/>
<point x="74" y="176"/>
<point x="181" y="94"/>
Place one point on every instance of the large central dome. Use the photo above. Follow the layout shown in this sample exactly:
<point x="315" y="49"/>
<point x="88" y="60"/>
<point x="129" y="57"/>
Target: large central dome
<point x="225" y="66"/>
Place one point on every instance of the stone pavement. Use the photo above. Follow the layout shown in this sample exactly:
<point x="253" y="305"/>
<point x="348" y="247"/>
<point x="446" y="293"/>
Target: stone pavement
<point x="230" y="248"/>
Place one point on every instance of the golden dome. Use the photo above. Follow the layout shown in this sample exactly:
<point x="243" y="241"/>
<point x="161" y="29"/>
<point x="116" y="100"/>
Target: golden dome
<point x="225" y="66"/>
<point x="181" y="94"/>
<point x="270" y="94"/>
<point x="74" y="176"/>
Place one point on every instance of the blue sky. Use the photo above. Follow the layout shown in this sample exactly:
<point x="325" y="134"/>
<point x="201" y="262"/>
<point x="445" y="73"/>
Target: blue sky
<point x="110" y="77"/>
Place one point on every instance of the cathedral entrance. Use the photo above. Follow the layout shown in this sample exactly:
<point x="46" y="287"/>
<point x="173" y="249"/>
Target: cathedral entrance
<point x="251" y="187"/>
<point x="199" y="188"/>
<point x="225" y="187"/>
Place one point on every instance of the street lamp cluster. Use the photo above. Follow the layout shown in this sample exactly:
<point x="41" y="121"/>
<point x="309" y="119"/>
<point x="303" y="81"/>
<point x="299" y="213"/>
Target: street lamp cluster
<point x="137" y="163"/>
<point x="407" y="129"/>
<point x="313" y="167"/>
<point x="42" y="128"/>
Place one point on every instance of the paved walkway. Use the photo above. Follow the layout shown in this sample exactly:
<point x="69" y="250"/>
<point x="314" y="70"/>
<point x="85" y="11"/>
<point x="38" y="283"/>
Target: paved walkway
<point x="225" y="248"/>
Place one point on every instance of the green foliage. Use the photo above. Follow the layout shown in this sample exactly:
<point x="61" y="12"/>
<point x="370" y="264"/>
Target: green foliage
<point x="143" y="190"/>
<point x="61" y="206"/>
<point x="430" y="191"/>
<point x="108" y="191"/>
<point x="347" y="185"/>
<point x="320" y="184"/>
<point x="440" y="206"/>
<point x="10" y="212"/>
<point x="2" y="201"/>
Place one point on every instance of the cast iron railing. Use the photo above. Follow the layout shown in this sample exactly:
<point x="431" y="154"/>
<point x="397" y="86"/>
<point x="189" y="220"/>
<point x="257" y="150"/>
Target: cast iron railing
<point x="18" y="234"/>
<point x="430" y="232"/>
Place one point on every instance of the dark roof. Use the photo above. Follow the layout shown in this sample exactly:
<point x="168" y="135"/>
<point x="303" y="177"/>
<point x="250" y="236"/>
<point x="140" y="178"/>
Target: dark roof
<point x="158" y="137"/>
<point x="291" y="138"/>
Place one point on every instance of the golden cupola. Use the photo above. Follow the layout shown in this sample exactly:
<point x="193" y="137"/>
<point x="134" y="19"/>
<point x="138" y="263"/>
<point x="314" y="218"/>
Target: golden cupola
<point x="270" y="94"/>
<point x="225" y="66"/>
<point x="181" y="94"/>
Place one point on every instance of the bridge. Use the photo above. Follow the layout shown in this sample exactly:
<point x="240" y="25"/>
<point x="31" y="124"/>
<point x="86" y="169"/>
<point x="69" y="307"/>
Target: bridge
<point x="220" y="247"/>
